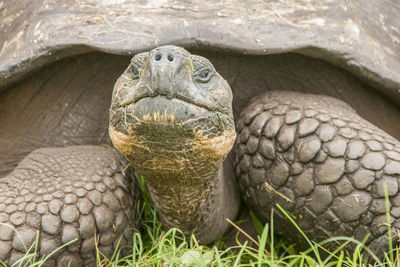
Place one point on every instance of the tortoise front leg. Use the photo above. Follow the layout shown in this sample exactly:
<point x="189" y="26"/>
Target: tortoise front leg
<point x="63" y="194"/>
<point x="315" y="157"/>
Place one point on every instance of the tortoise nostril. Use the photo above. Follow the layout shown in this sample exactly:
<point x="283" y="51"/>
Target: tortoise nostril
<point x="170" y="58"/>
<point x="157" y="57"/>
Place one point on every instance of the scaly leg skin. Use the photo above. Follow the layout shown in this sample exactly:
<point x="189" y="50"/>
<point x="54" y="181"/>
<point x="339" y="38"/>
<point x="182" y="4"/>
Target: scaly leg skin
<point x="327" y="167"/>
<point x="78" y="192"/>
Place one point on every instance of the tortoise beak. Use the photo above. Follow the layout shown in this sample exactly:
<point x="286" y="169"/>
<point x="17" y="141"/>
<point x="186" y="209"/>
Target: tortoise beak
<point x="166" y="65"/>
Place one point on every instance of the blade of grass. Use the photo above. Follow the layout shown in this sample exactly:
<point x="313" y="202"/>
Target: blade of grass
<point x="340" y="260"/>
<point x="247" y="235"/>
<point x="125" y="168"/>
<point x="256" y="222"/>
<point x="357" y="242"/>
<point x="217" y="256"/>
<point x="261" y="247"/>
<point x="302" y="233"/>
<point x="388" y="219"/>
<point x="272" y="235"/>
<point x="54" y="252"/>
<point x="240" y="255"/>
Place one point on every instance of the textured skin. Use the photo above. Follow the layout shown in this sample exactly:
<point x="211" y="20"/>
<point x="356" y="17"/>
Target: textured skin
<point x="62" y="194"/>
<point x="62" y="105"/>
<point x="321" y="162"/>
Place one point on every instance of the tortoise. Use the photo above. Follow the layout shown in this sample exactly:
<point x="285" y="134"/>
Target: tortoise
<point x="264" y="50"/>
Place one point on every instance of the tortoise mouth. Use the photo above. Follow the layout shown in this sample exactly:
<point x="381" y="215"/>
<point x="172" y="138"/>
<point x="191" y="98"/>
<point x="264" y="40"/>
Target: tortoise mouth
<point x="164" y="109"/>
<point x="162" y="114"/>
<point x="140" y="92"/>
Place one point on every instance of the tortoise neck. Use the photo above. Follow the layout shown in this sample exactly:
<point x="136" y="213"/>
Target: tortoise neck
<point x="191" y="183"/>
<point x="199" y="207"/>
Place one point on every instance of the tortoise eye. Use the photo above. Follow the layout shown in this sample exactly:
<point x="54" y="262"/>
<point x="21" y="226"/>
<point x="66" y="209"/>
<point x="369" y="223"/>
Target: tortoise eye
<point x="136" y="66"/>
<point x="134" y="72"/>
<point x="203" y="75"/>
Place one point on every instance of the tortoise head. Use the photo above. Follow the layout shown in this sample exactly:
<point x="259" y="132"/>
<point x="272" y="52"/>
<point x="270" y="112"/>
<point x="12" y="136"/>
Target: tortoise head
<point x="169" y="109"/>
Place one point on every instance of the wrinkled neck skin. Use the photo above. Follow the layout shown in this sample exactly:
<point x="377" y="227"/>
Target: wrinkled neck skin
<point x="199" y="208"/>
<point x="192" y="187"/>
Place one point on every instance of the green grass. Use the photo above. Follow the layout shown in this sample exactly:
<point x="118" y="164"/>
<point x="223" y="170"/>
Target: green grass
<point x="155" y="246"/>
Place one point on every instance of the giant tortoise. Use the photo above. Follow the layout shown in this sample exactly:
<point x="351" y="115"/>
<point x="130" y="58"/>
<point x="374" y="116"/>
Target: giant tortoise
<point x="291" y="65"/>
